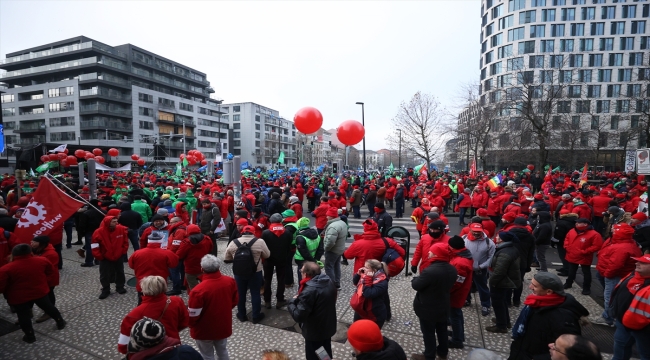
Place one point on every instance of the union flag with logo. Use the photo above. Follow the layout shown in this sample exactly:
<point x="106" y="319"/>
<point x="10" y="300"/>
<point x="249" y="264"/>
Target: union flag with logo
<point x="47" y="210"/>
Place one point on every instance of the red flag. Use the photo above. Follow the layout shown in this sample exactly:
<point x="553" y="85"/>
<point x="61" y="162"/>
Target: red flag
<point x="584" y="178"/>
<point x="472" y="169"/>
<point x="548" y="173"/>
<point x="48" y="209"/>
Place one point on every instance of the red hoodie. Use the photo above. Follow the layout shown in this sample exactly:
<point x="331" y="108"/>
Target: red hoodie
<point x="110" y="244"/>
<point x="193" y="248"/>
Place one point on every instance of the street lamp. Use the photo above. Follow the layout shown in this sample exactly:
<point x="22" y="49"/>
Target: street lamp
<point x="399" y="154"/>
<point x="363" y="122"/>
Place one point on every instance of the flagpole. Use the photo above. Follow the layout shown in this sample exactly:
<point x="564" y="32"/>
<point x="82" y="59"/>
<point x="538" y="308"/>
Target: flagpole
<point x="49" y="176"/>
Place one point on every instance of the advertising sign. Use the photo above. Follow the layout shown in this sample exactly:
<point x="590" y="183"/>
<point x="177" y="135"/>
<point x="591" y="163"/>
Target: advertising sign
<point x="630" y="160"/>
<point x="643" y="161"/>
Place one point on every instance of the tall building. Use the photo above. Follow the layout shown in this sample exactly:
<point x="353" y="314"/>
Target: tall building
<point x="88" y="94"/>
<point x="560" y="75"/>
<point x="260" y="134"/>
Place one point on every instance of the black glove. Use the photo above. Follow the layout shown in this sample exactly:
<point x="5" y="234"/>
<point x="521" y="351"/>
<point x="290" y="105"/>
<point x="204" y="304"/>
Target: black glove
<point x="414" y="269"/>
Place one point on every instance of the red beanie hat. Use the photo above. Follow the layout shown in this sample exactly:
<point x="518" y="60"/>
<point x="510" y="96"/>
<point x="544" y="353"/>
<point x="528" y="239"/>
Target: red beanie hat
<point x="539" y="196"/>
<point x="113" y="212"/>
<point x="482" y="212"/>
<point x="622" y="231"/>
<point x="640" y="216"/>
<point x="509" y="217"/>
<point x="365" y="336"/>
<point x="242" y="222"/>
<point x="439" y="252"/>
<point x="250" y="229"/>
<point x="332" y="212"/>
<point x="370" y="225"/>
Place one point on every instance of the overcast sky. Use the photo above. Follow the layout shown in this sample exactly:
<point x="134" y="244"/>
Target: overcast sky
<point x="283" y="55"/>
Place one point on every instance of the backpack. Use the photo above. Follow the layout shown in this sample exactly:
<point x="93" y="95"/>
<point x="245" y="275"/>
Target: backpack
<point x="317" y="192"/>
<point x="424" y="215"/>
<point x="393" y="260"/>
<point x="243" y="263"/>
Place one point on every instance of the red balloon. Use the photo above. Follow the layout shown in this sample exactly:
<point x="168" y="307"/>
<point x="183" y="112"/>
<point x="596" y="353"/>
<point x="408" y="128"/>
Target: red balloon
<point x="113" y="152"/>
<point x="191" y="160"/>
<point x="64" y="162"/>
<point x="182" y="157"/>
<point x="200" y="155"/>
<point x="100" y="159"/>
<point x="61" y="156"/>
<point x="71" y="160"/>
<point x="45" y="158"/>
<point x="350" y="132"/>
<point x="79" y="153"/>
<point x="530" y="167"/>
<point x="53" y="157"/>
<point x="97" y="151"/>
<point x="66" y="151"/>
<point x="89" y="156"/>
<point x="141" y="162"/>
<point x="191" y="152"/>
<point x="308" y="120"/>
<point x="204" y="162"/>
<point x="135" y="157"/>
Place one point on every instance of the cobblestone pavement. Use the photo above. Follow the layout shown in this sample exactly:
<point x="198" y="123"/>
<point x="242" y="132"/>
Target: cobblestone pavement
<point x="93" y="324"/>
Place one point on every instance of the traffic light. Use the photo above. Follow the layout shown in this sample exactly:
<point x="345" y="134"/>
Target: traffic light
<point x="335" y="167"/>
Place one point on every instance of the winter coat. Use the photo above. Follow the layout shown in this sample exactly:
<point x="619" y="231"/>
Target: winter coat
<point x="493" y="206"/>
<point x="336" y="233"/>
<point x="26" y="278"/>
<point x="600" y="204"/>
<point x="482" y="251"/>
<point x="152" y="260"/>
<point x="144" y="238"/>
<point x="390" y="351"/>
<point x="463" y="262"/>
<point x="129" y="218"/>
<point x="142" y="208"/>
<point x="421" y="255"/>
<point x="90" y="220"/>
<point x="210" y="219"/>
<point x="544" y="325"/>
<point x="479" y="199"/>
<point x="315" y="308"/>
<point x="367" y="246"/>
<point x="544" y="229"/>
<point x="433" y="298"/>
<point x="320" y="213"/>
<point x="371" y="292"/>
<point x="355" y="198"/>
<point x="615" y="257"/>
<point x="53" y="257"/>
<point x="580" y="247"/>
<point x="175" y="318"/>
<point x="525" y="246"/>
<point x="177" y="232"/>
<point x="384" y="222"/>
<point x="563" y="225"/>
<point x="210" y="302"/>
<point x="642" y="234"/>
<point x="193" y="248"/>
<point x="504" y="267"/>
<point x="278" y="240"/>
<point x="259" y="249"/>
<point x="110" y="245"/>
<point x="540" y="205"/>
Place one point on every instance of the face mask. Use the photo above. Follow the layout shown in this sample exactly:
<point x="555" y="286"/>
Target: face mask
<point x="206" y="206"/>
<point x="377" y="210"/>
<point x="581" y="226"/>
<point x="435" y="234"/>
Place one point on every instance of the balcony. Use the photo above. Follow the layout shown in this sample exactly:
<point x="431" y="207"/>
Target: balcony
<point x="104" y="77"/>
<point x="32" y="140"/>
<point x="30" y="127"/>
<point x="106" y="93"/>
<point x="59" y="66"/>
<point x="178" y="144"/>
<point x="45" y="53"/>
<point x="105" y="124"/>
<point x="176" y="121"/>
<point x="105" y="108"/>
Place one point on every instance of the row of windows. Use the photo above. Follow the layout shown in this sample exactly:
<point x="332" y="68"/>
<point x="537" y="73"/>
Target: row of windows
<point x="54" y="122"/>
<point x="565" y="45"/>
<point x="606" y="12"/>
<point x="575" y="60"/>
<point x="63" y="136"/>
<point x="62" y="91"/>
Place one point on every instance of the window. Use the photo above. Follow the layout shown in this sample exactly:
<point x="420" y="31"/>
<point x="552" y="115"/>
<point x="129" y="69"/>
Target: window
<point x="638" y="27"/>
<point x="617" y="28"/>
<point x="62" y="106"/>
<point x="584" y="139"/>
<point x="624" y="74"/>
<point x="166" y="102"/>
<point x="604" y="75"/>
<point x="6" y="98"/>
<point x="62" y="91"/>
<point x="629" y="11"/>
<point x="646" y="11"/>
<point x="557" y="61"/>
<point x="497" y="11"/>
<point x="602" y="139"/>
<point x="548" y="15"/>
<point x="535" y="3"/>
<point x="489" y="30"/>
<point x="563" y="107"/>
<point x="559" y="2"/>
<point x="236" y="126"/>
<point x="634" y="121"/>
<point x="578" y="2"/>
<point x="526" y="47"/>
<point x="488" y="57"/>
<point x="566" y="76"/>
<point x="504" y="81"/>
<point x="63" y="136"/>
<point x="614" y="122"/>
<point x="623" y="139"/>
<point x="495" y="68"/>
<point x="596" y="60"/>
<point x="145" y="111"/>
<point x="588" y="13"/>
<point x="236" y="151"/>
<point x="537" y="31"/>
<point x="586" y="44"/>
<point x="584" y="76"/>
<point x="575" y="122"/>
<point x="546" y="76"/>
<point x="644" y="74"/>
<point x="556" y="122"/>
<point x="575" y="91"/>
<point x="613" y="90"/>
<point x="602" y="106"/>
<point x="504" y="51"/>
<point x="547" y="45"/>
<point x="608" y="12"/>
<point x="575" y="60"/>
<point x="258" y="136"/>
<point x="9" y="112"/>
<point x="236" y="108"/>
<point x="186" y="107"/>
<point x="516" y="5"/>
<point x="145" y="97"/>
<point x="593" y="91"/>
<point x="536" y="92"/>
<point x="506" y="22"/>
<point x="557" y="30"/>
<point x="595" y="120"/>
<point x="515" y="64"/>
<point x="598" y="28"/>
<point x="147" y="125"/>
<point x="526" y="17"/>
<point x="615" y="59"/>
<point x="536" y="61"/>
<point x="484" y="46"/>
<point x="622" y="106"/>
<point x="525" y="77"/>
<point x="568" y="14"/>
<point x="583" y="106"/>
<point x="644" y="44"/>
<point x="606" y="44"/>
<point x="236" y="135"/>
<point x="235" y="117"/>
<point x="516" y="34"/>
<point x="577" y="29"/>
<point x="627" y="43"/>
<point x="497" y="40"/>
<point x="634" y="90"/>
<point x="62" y="121"/>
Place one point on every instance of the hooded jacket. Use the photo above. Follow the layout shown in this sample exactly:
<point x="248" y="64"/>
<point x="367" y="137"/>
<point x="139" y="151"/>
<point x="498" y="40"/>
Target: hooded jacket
<point x="152" y="260"/>
<point x="504" y="267"/>
<point x="320" y="213"/>
<point x="180" y="212"/>
<point x="315" y="308"/>
<point x="368" y="246"/>
<point x="336" y="233"/>
<point x="581" y="246"/>
<point x="278" y="240"/>
<point x="142" y="208"/>
<point x="544" y="229"/>
<point x="129" y="218"/>
<point x="525" y="246"/>
<point x="615" y="256"/>
<point x="210" y="219"/>
<point x="421" y="254"/>
<point x="390" y="351"/>
<point x="110" y="245"/>
<point x="563" y="225"/>
<point x="642" y="234"/>
<point x="301" y="244"/>
<point x="26" y="278"/>
<point x="144" y="238"/>
<point x="193" y="249"/>
<point x="463" y="262"/>
<point x="212" y="300"/>
<point x="482" y="250"/>
<point x="432" y="300"/>
<point x="177" y="232"/>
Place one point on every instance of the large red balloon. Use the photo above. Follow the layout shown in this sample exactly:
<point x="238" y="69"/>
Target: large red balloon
<point x="141" y="162"/>
<point x="53" y="157"/>
<point x="89" y="156"/>
<point x="350" y="132"/>
<point x="64" y="163"/>
<point x="182" y="157"/>
<point x="135" y="157"/>
<point x="80" y="153"/>
<point x="45" y="158"/>
<point x="113" y="152"/>
<point x="61" y="156"/>
<point x="97" y="151"/>
<point x="191" y="160"/>
<point x="71" y="160"/>
<point x="308" y="120"/>
<point x="66" y="151"/>
<point x="204" y="162"/>
<point x="530" y="167"/>
<point x="100" y="159"/>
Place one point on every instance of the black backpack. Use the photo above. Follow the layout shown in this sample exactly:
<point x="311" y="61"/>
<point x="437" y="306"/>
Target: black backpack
<point x="243" y="263"/>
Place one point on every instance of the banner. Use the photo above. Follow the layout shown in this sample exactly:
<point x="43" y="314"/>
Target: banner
<point x="472" y="169"/>
<point x="630" y="161"/>
<point x="60" y="148"/>
<point x="281" y="158"/>
<point x="47" y="210"/>
<point x="102" y="167"/>
<point x="642" y="161"/>
<point x="583" y="177"/>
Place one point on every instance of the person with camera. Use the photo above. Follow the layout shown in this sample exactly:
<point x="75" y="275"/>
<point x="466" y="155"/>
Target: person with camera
<point x="369" y="301"/>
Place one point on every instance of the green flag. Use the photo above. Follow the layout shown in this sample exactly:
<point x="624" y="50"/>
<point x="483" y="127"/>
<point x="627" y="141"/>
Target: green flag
<point x="556" y="169"/>
<point x="281" y="158"/>
<point x="185" y="162"/>
<point x="31" y="172"/>
<point x="391" y="167"/>
<point x="178" y="170"/>
<point x="46" y="166"/>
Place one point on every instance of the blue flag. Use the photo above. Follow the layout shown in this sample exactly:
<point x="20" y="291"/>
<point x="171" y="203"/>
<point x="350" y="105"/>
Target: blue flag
<point x="2" y="138"/>
<point x="244" y="165"/>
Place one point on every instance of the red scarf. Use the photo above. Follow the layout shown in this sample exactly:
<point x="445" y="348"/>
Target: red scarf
<point x="302" y="284"/>
<point x="536" y="301"/>
<point x="635" y="283"/>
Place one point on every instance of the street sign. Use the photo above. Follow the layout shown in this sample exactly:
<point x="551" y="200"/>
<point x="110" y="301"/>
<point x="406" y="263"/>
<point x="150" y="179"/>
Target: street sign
<point x="643" y="161"/>
<point x="630" y="160"/>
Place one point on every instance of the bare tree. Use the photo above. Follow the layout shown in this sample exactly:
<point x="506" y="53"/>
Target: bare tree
<point x="424" y="125"/>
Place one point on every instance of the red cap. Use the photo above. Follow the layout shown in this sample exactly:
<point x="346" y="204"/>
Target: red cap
<point x="482" y="212"/>
<point x="644" y="259"/>
<point x="242" y="222"/>
<point x="439" y="252"/>
<point x="509" y="217"/>
<point x="248" y="229"/>
<point x="539" y="196"/>
<point x="475" y="227"/>
<point x="332" y="212"/>
<point x="640" y="216"/>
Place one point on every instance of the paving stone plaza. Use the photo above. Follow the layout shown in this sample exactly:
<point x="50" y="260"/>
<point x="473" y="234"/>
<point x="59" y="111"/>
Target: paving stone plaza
<point x="93" y="324"/>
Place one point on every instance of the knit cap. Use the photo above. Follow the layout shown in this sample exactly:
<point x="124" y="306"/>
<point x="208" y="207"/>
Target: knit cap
<point x="365" y="336"/>
<point x="456" y="242"/>
<point x="509" y="217"/>
<point x="439" y="252"/>
<point x="145" y="334"/>
<point x="276" y="218"/>
<point x="303" y="223"/>
<point x="288" y="213"/>
<point x="370" y="225"/>
<point x="162" y="212"/>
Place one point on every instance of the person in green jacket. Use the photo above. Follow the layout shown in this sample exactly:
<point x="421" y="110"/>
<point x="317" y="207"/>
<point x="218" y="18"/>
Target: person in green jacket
<point x="142" y="207"/>
<point x="309" y="246"/>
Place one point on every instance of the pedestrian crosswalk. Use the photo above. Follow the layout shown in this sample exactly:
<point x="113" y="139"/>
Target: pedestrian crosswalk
<point x="356" y="227"/>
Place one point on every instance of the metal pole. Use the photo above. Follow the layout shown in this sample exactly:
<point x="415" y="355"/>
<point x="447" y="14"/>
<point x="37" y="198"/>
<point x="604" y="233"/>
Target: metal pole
<point x="184" y="152"/>
<point x="399" y="154"/>
<point x="363" y="122"/>
<point x="92" y="178"/>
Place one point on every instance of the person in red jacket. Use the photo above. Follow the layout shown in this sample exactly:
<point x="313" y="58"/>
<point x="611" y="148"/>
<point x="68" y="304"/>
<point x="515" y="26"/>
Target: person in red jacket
<point x="177" y="232"/>
<point x="320" y="213"/>
<point x="211" y="302"/>
<point x="462" y="260"/>
<point x="152" y="260"/>
<point x="435" y="234"/>
<point x="494" y="208"/>
<point x="6" y="244"/>
<point x="583" y="210"/>
<point x="41" y="247"/>
<point x="169" y="310"/>
<point x="463" y="202"/>
<point x="390" y="193"/>
<point x="296" y="206"/>
<point x="479" y="200"/>
<point x="192" y="249"/>
<point x="419" y="215"/>
<point x="158" y="223"/>
<point x="369" y="245"/>
<point x="300" y="192"/>
<point x="109" y="242"/>
<point x="489" y="226"/>
<point x="581" y="243"/>
<point x="25" y="281"/>
<point x="600" y="203"/>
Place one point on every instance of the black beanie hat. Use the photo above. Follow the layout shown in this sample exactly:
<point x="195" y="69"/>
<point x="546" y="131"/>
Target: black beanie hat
<point x="21" y="249"/>
<point x="42" y="240"/>
<point x="521" y="221"/>
<point x="507" y="236"/>
<point x="457" y="242"/>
